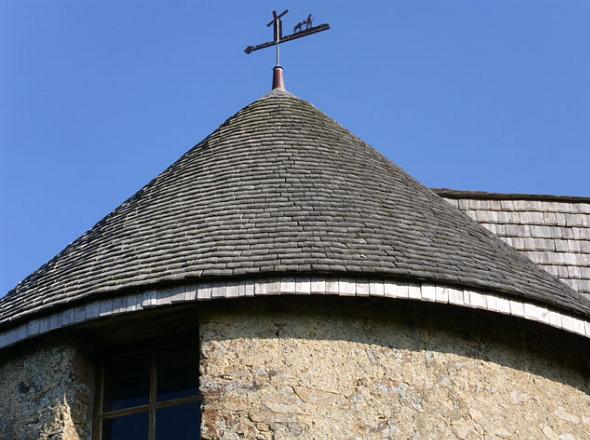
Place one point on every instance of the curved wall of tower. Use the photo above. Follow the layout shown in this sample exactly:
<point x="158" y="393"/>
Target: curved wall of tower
<point x="387" y="371"/>
<point x="322" y="367"/>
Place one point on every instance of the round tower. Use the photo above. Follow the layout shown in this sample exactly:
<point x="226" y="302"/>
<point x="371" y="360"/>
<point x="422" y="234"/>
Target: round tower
<point x="283" y="279"/>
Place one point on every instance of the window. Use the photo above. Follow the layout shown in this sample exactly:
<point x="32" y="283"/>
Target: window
<point x="151" y="393"/>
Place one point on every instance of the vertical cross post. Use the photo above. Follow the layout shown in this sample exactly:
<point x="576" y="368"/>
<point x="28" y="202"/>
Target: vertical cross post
<point x="278" y="32"/>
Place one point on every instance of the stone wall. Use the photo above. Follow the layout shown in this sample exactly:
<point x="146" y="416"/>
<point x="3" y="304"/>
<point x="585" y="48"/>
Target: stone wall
<point x="47" y="393"/>
<point x="380" y="370"/>
<point x="337" y="368"/>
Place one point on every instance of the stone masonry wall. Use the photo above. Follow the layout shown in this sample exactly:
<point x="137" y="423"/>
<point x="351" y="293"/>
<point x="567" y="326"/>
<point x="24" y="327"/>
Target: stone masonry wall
<point x="46" y="390"/>
<point x="389" y="370"/>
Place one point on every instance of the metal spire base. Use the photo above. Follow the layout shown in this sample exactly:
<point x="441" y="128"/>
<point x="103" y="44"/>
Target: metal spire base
<point x="278" y="79"/>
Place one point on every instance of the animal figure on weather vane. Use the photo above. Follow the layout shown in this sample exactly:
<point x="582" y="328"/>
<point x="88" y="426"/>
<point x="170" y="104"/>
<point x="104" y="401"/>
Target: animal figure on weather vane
<point x="278" y="38"/>
<point x="307" y="23"/>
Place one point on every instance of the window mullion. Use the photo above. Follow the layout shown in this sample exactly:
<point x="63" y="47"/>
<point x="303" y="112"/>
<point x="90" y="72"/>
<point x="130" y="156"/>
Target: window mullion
<point x="99" y="402"/>
<point x="152" y="397"/>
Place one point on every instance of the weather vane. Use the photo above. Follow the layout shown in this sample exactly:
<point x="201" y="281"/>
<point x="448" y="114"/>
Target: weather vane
<point x="302" y="29"/>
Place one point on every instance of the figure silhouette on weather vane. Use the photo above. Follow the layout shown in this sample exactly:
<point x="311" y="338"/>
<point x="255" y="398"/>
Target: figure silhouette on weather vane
<point x="307" y="23"/>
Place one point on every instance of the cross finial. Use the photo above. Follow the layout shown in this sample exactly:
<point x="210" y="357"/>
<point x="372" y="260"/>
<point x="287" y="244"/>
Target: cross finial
<point x="277" y="32"/>
<point x="302" y="29"/>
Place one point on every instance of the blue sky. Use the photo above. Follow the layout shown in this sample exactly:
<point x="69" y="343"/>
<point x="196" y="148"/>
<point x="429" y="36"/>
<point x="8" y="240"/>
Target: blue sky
<point x="97" y="98"/>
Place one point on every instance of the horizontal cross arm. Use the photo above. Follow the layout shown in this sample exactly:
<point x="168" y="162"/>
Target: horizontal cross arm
<point x="276" y="17"/>
<point x="305" y="33"/>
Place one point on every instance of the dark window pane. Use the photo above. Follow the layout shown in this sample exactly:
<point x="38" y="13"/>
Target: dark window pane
<point x="126" y="382"/>
<point x="133" y="427"/>
<point x="179" y="422"/>
<point x="177" y="372"/>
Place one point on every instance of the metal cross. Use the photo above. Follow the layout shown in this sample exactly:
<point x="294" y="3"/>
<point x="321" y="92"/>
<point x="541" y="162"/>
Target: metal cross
<point x="302" y="29"/>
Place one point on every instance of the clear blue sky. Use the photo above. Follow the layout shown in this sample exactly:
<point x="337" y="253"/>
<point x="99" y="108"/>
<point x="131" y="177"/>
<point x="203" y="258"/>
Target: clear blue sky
<point x="97" y="98"/>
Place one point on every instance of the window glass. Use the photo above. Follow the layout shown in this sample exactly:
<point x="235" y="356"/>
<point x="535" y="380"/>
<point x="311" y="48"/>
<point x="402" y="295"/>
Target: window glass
<point x="178" y="422"/>
<point x="126" y="382"/>
<point x="177" y="372"/>
<point x="133" y="427"/>
<point x="151" y="392"/>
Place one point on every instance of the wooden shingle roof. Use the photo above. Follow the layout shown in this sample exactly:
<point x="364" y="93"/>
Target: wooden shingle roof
<point x="553" y="231"/>
<point x="282" y="188"/>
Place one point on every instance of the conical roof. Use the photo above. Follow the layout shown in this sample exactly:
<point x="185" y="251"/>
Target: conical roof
<point x="282" y="188"/>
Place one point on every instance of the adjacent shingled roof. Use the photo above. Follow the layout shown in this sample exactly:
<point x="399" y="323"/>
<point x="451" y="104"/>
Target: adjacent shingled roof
<point x="282" y="188"/>
<point x="553" y="231"/>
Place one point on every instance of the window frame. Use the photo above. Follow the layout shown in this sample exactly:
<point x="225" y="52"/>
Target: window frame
<point x="151" y="348"/>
